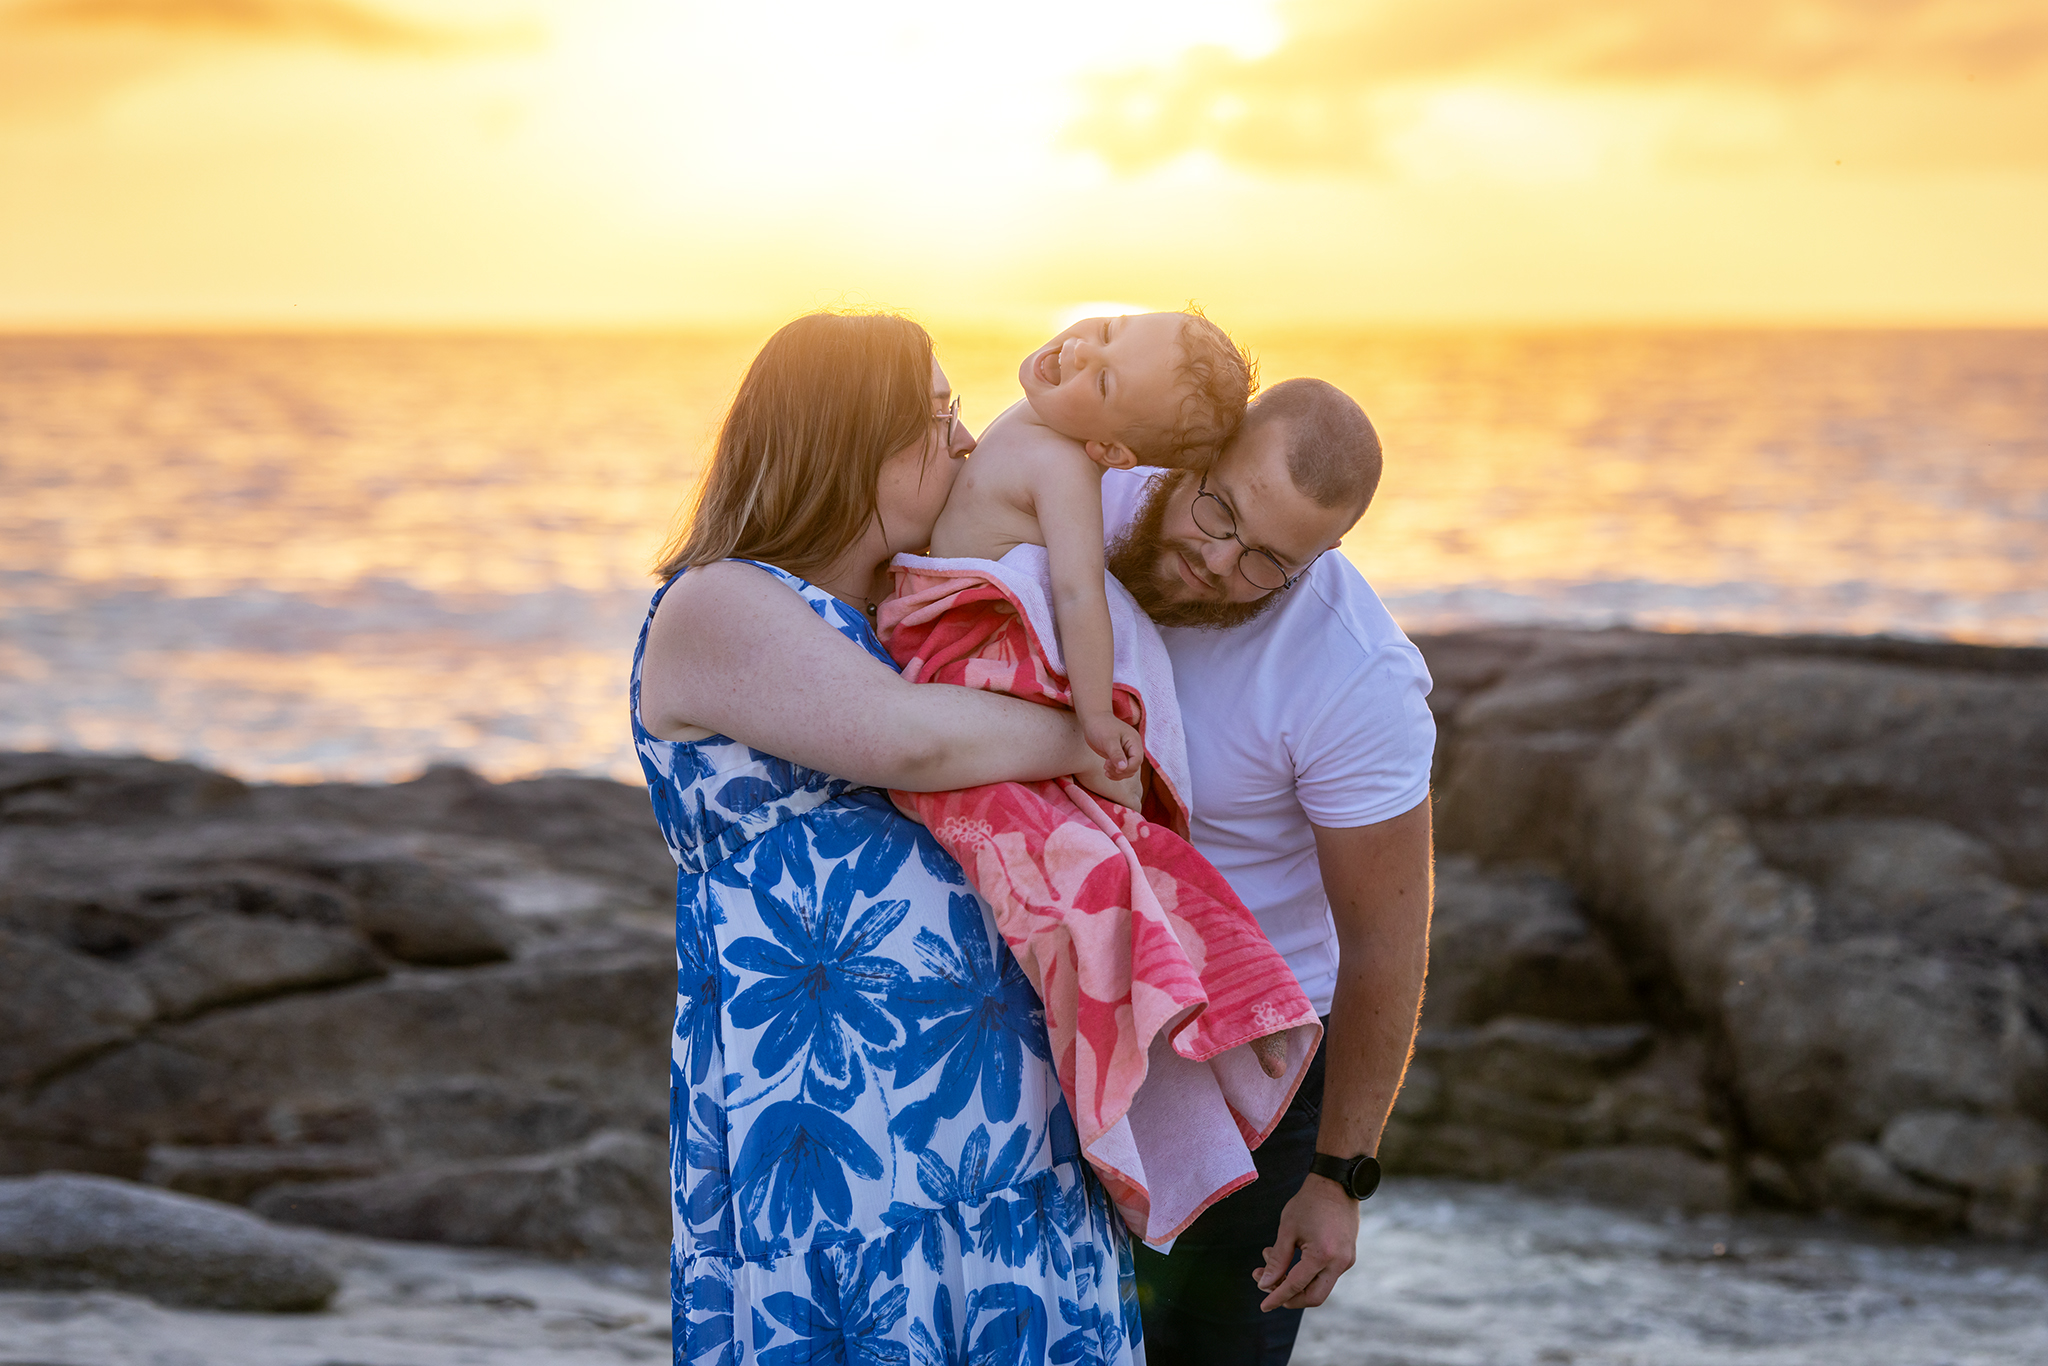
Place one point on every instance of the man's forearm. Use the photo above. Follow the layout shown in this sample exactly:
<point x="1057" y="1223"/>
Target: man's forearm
<point x="1378" y="880"/>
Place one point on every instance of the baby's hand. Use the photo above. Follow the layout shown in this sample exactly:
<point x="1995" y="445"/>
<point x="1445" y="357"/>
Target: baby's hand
<point x="1121" y="747"/>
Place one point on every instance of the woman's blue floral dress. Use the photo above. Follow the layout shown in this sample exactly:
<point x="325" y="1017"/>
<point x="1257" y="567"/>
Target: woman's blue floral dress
<point x="871" y="1159"/>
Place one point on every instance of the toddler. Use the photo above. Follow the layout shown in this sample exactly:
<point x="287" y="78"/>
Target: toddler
<point x="1161" y="389"/>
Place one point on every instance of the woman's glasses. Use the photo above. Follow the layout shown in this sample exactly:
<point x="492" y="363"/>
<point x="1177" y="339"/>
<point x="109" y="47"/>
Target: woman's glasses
<point x="949" y="415"/>
<point x="1261" y="569"/>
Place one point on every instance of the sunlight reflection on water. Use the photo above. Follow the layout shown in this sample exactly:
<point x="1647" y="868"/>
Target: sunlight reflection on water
<point x="346" y="557"/>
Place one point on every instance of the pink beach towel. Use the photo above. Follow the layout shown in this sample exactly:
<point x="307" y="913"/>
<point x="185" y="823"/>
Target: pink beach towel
<point x="1153" y="974"/>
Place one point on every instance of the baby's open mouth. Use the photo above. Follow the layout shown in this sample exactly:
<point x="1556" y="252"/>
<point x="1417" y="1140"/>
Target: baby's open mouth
<point x="1047" y="366"/>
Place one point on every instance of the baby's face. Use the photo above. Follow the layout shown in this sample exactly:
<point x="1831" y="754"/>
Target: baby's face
<point x="1103" y="376"/>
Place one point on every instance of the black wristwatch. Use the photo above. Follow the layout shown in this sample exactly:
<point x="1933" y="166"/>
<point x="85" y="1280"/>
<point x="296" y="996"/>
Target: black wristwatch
<point x="1359" y="1176"/>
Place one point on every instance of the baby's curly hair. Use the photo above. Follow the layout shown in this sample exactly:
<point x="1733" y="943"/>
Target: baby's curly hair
<point x="1216" y="379"/>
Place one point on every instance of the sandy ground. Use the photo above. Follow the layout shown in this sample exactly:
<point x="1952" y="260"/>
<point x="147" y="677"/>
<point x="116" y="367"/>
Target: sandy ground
<point x="1448" y="1275"/>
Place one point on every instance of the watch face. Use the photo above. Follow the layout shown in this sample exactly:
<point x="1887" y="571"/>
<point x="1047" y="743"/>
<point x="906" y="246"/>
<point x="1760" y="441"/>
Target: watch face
<point x="1365" y="1178"/>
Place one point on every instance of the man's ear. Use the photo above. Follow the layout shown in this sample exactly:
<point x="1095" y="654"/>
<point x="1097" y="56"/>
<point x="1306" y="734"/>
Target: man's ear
<point x="1112" y="454"/>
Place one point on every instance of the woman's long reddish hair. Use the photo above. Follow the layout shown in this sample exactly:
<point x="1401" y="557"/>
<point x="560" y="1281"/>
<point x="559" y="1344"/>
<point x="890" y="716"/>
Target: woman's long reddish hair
<point x="792" y="481"/>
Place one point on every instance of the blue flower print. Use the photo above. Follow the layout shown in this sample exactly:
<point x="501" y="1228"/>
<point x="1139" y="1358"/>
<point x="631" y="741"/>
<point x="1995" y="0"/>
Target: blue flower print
<point x="703" y="984"/>
<point x="1095" y="1337"/>
<point x="818" y="977"/>
<point x="921" y="1228"/>
<point x="1096" y="1333"/>
<point x="976" y="1175"/>
<point x="913" y="1227"/>
<point x="797" y="1156"/>
<point x="1013" y="1331"/>
<point x="935" y="1344"/>
<point x="842" y="1321"/>
<point x="884" y="845"/>
<point x="711" y="1339"/>
<point x="705" y="1150"/>
<point x="1031" y="1223"/>
<point x="973" y="1016"/>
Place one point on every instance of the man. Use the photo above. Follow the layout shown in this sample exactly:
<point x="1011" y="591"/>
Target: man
<point x="1310" y="743"/>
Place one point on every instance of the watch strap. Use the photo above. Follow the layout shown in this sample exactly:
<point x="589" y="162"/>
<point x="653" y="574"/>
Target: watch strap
<point x="1359" y="1176"/>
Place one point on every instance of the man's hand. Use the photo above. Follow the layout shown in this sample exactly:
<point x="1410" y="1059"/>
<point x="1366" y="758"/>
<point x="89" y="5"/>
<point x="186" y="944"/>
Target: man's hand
<point x="1321" y="1221"/>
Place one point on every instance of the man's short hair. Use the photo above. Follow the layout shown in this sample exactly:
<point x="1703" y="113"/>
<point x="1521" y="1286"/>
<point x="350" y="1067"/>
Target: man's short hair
<point x="1215" y="380"/>
<point x="1333" y="453"/>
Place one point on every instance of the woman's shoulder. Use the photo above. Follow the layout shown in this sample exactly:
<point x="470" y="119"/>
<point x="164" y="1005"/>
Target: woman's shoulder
<point x="726" y="584"/>
<point x="747" y="596"/>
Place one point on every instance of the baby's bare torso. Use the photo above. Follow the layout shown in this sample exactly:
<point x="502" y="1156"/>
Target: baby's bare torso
<point x="1021" y="474"/>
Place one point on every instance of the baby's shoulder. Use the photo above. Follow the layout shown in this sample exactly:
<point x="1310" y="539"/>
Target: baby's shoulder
<point x="1029" y="451"/>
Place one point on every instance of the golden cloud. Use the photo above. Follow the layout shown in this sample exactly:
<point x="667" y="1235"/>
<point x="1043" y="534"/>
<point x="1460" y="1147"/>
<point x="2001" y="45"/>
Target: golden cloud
<point x="1347" y="74"/>
<point x="331" y="23"/>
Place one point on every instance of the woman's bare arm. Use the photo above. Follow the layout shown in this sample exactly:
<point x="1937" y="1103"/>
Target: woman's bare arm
<point x="734" y="651"/>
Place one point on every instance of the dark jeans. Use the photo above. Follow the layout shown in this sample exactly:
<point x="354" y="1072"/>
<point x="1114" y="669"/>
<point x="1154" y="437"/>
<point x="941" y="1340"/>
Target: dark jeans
<point x="1200" y="1303"/>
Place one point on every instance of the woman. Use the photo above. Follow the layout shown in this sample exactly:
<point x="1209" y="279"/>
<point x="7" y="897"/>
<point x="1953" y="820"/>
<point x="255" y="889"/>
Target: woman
<point x="870" y="1156"/>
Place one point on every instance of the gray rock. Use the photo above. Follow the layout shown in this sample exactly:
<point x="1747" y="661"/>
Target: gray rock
<point x="1665" y="1178"/>
<point x="607" y="1197"/>
<point x="1496" y="1102"/>
<point x="1966" y="1152"/>
<point x="1786" y="844"/>
<point x="233" y="1174"/>
<point x="1832" y="1040"/>
<point x="589" y="1022"/>
<point x="60" y="789"/>
<point x="65" y="1232"/>
<point x="222" y="960"/>
<point x="2000" y="1164"/>
<point x="1771" y="1183"/>
<point x="418" y="915"/>
<point x="1858" y="1177"/>
<point x="1537" y="1058"/>
<point x="57" y="1007"/>
<point x="1515" y="943"/>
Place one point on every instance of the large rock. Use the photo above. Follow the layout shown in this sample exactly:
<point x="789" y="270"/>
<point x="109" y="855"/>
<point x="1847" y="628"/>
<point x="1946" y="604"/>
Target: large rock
<point x="2001" y="1165"/>
<point x="65" y="1232"/>
<point x="57" y="1007"/>
<point x="223" y="960"/>
<point x="1823" y="861"/>
<point x="1879" y="965"/>
<point x="64" y="789"/>
<point x="337" y="1066"/>
<point x="1516" y="943"/>
<point x="608" y="1197"/>
<point x="225" y="990"/>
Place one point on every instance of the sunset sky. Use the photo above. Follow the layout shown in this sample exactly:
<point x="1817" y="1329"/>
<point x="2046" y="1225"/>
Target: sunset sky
<point x="456" y="162"/>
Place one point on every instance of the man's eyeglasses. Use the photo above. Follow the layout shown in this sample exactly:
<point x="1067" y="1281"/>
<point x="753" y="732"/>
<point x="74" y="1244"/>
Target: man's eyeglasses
<point x="950" y="414"/>
<point x="1261" y="569"/>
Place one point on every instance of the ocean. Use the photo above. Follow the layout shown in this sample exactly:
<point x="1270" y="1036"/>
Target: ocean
<point x="312" y="557"/>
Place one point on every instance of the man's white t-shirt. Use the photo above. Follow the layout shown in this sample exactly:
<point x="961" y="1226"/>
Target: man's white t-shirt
<point x="1313" y="713"/>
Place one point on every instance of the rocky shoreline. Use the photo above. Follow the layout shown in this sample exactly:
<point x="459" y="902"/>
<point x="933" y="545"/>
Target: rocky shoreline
<point x="1724" y="922"/>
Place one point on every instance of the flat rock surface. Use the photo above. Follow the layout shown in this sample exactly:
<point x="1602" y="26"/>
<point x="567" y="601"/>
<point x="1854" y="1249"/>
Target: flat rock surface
<point x="66" y="1232"/>
<point x="1449" y="1274"/>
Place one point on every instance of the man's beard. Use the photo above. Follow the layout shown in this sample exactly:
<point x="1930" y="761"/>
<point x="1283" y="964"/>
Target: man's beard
<point x="1134" y="558"/>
